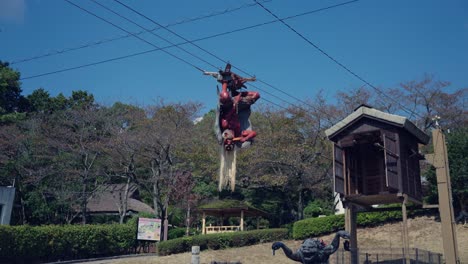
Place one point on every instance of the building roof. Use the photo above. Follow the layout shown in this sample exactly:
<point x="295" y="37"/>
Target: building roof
<point x="230" y="208"/>
<point x="107" y="200"/>
<point x="365" y="111"/>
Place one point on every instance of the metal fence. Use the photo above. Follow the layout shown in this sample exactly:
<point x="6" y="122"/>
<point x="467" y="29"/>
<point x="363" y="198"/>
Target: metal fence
<point x="387" y="256"/>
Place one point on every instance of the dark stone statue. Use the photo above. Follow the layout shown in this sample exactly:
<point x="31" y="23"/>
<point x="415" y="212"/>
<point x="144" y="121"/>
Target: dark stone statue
<point x="312" y="250"/>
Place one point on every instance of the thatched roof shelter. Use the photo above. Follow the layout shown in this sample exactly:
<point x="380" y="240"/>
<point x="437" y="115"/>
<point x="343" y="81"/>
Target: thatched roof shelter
<point x="229" y="208"/>
<point x="110" y="198"/>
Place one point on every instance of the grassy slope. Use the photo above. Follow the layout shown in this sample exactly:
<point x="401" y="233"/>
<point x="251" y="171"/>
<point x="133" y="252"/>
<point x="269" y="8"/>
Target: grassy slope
<point x="424" y="234"/>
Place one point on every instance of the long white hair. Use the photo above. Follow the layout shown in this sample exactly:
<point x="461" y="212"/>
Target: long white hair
<point x="227" y="170"/>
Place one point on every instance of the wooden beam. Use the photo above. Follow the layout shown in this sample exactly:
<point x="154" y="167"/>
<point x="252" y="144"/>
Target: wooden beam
<point x="351" y="227"/>
<point x="441" y="164"/>
<point x="404" y="232"/>
<point x="242" y="221"/>
<point x="204" y="224"/>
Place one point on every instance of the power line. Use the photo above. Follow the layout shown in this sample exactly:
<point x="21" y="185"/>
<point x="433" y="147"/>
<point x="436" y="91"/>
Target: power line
<point x="198" y="46"/>
<point x="224" y="61"/>
<point x="204" y="38"/>
<point x="182" y="43"/>
<point x="334" y="60"/>
<point x="134" y="23"/>
<point x="136" y="36"/>
<point x="192" y="42"/>
<point x="154" y="34"/>
<point x="102" y="41"/>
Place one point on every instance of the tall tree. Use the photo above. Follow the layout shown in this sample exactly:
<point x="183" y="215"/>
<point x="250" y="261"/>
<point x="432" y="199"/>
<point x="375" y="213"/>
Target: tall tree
<point x="167" y="134"/>
<point x="288" y="153"/>
<point x="11" y="99"/>
<point x="79" y="134"/>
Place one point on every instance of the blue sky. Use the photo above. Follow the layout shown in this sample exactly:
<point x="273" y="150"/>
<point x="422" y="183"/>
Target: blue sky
<point x="386" y="42"/>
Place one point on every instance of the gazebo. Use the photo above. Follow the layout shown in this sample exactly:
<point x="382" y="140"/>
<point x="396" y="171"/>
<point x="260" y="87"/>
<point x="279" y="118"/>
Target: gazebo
<point x="228" y="208"/>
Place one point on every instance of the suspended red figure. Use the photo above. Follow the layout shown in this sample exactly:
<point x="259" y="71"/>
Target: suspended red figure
<point x="232" y="126"/>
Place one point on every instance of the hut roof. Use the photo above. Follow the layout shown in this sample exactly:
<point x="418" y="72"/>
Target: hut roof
<point x="107" y="200"/>
<point x="365" y="111"/>
<point x="230" y="208"/>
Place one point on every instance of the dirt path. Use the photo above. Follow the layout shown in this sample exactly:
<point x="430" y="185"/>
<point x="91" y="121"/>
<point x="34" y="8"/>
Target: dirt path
<point x="424" y="234"/>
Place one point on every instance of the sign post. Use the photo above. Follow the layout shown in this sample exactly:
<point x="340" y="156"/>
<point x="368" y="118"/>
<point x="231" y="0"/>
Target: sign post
<point x="149" y="229"/>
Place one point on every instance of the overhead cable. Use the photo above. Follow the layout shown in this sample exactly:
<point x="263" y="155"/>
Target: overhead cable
<point x="219" y="58"/>
<point x="136" y="36"/>
<point x="102" y="41"/>
<point x="181" y="43"/>
<point x="335" y="60"/>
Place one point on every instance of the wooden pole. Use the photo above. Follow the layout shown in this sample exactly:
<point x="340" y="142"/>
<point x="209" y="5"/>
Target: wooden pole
<point x="242" y="221"/>
<point x="351" y="227"/>
<point x="204" y="224"/>
<point x="440" y="161"/>
<point x="405" y="229"/>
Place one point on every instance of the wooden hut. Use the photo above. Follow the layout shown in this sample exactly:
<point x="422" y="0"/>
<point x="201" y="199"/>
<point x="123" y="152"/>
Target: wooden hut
<point x="224" y="209"/>
<point x="376" y="157"/>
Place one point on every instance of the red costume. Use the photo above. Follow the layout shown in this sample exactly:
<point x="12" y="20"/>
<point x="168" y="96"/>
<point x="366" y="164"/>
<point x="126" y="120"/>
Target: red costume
<point x="234" y="109"/>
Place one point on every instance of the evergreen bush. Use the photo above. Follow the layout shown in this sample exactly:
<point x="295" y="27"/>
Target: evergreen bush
<point x="28" y="244"/>
<point x="312" y="227"/>
<point x="221" y="241"/>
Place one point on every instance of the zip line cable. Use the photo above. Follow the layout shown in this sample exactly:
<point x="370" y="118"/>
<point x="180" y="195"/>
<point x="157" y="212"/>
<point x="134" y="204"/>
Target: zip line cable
<point x="335" y="60"/>
<point x="181" y="43"/>
<point x="115" y="25"/>
<point x="190" y="42"/>
<point x="136" y="36"/>
<point x="219" y="58"/>
<point x="102" y="41"/>
<point x="134" y="23"/>
<point x="151" y="32"/>
<point x="186" y="42"/>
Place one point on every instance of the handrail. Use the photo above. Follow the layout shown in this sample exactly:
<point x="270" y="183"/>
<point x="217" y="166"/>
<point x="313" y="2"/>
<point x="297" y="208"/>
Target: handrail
<point x="221" y="229"/>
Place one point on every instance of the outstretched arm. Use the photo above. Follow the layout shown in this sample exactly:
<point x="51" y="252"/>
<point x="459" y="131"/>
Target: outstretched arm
<point x="287" y="251"/>
<point x="335" y="244"/>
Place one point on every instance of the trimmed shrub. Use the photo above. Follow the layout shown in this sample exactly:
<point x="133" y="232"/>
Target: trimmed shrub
<point x="221" y="241"/>
<point x="180" y="232"/>
<point x="27" y="244"/>
<point x="312" y="227"/>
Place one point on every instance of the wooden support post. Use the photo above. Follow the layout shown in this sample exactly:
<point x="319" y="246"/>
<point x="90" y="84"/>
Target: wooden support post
<point x="204" y="224"/>
<point x="404" y="232"/>
<point x="258" y="222"/>
<point x="440" y="161"/>
<point x="242" y="221"/>
<point x="351" y="227"/>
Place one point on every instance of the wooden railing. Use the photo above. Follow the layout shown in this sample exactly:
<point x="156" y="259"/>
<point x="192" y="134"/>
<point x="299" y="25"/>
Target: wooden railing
<point x="221" y="229"/>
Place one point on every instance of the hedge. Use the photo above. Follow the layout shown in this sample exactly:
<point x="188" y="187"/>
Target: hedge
<point x="221" y="241"/>
<point x="27" y="244"/>
<point x="312" y="227"/>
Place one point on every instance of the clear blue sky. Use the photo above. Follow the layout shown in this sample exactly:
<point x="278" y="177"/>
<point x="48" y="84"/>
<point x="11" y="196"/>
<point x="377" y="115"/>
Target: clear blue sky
<point x="386" y="42"/>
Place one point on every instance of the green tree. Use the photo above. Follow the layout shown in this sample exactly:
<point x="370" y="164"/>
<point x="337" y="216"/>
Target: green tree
<point x="457" y="148"/>
<point x="11" y="99"/>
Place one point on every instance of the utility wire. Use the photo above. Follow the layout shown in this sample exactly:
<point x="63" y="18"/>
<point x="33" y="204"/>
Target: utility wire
<point x="182" y="43"/>
<point x="224" y="61"/>
<point x="149" y="31"/>
<point x="204" y="38"/>
<point x="121" y="16"/>
<point x="136" y="36"/>
<point x="335" y="60"/>
<point x="102" y="41"/>
<point x="191" y="42"/>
